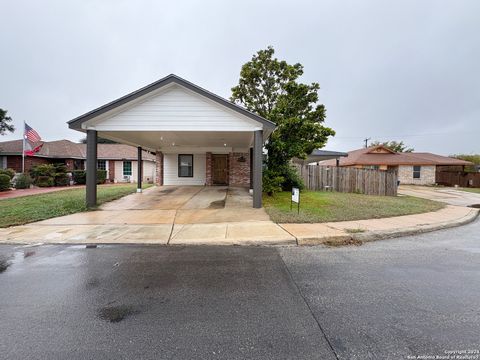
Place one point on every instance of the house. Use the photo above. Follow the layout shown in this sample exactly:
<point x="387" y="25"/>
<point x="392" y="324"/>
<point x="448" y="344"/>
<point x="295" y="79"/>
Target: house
<point x="198" y="137"/>
<point x="413" y="168"/>
<point x="119" y="160"/>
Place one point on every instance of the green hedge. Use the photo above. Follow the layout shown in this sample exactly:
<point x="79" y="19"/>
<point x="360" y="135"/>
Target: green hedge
<point x="80" y="176"/>
<point x="23" y="181"/>
<point x="44" y="181"/>
<point x="9" y="172"/>
<point x="4" y="182"/>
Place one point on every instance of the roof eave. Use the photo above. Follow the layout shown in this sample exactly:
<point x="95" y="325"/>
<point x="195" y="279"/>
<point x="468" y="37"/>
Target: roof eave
<point x="76" y="123"/>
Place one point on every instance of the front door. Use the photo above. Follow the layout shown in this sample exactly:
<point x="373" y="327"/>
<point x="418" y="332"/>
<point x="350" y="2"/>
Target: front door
<point x="219" y="169"/>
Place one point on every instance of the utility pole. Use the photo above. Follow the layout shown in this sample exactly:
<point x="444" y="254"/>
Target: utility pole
<point x="366" y="142"/>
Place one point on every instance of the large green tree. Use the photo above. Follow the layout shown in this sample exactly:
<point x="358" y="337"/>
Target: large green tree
<point x="397" y="146"/>
<point x="270" y="88"/>
<point x="5" y="122"/>
<point x="474" y="158"/>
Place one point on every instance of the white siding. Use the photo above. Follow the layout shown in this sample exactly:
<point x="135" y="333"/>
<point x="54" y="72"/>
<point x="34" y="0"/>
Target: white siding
<point x="176" y="109"/>
<point x="170" y="163"/>
<point x="148" y="171"/>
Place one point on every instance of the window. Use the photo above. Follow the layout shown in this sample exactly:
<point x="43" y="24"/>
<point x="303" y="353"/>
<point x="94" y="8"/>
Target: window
<point x="185" y="165"/>
<point x="416" y="171"/>
<point x="127" y="168"/>
<point x="371" y="167"/>
<point x="101" y="164"/>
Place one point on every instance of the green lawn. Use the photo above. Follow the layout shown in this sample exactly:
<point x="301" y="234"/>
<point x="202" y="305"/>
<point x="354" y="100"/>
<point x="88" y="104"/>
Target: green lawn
<point x="32" y="208"/>
<point x="473" y="190"/>
<point x="318" y="206"/>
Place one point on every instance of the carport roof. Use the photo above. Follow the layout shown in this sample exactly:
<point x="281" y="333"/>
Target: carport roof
<point x="78" y="121"/>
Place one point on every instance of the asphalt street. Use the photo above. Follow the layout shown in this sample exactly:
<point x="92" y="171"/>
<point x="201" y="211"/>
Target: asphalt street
<point x="389" y="299"/>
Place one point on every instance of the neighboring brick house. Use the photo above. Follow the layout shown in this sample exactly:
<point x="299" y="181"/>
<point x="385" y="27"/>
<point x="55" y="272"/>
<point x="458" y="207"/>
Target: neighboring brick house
<point x="413" y="168"/>
<point x="119" y="160"/>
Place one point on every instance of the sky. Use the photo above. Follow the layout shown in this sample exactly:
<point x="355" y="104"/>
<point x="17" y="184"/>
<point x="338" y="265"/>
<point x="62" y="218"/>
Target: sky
<point x="388" y="70"/>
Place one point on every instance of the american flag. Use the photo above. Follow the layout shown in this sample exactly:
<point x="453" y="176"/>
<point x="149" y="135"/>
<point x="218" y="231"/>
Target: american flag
<point x="31" y="134"/>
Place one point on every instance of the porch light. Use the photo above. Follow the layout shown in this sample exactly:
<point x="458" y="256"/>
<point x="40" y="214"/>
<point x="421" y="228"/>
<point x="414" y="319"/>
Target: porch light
<point x="225" y="145"/>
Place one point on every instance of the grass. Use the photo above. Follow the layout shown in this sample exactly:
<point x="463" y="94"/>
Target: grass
<point x="472" y="190"/>
<point x="26" y="209"/>
<point x="318" y="206"/>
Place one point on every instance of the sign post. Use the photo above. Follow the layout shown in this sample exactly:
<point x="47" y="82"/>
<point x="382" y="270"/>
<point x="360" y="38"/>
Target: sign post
<point x="295" y="199"/>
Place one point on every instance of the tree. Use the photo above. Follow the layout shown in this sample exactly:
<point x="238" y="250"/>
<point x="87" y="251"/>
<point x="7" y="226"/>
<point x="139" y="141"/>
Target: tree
<point x="99" y="141"/>
<point x="474" y="158"/>
<point x="4" y="122"/>
<point x="394" y="146"/>
<point x="270" y="88"/>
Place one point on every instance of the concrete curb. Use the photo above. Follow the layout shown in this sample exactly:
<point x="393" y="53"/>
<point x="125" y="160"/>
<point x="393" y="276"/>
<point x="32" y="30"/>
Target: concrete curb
<point x="345" y="238"/>
<point x="419" y="229"/>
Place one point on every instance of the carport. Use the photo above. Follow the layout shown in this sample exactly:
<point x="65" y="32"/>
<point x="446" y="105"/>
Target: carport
<point x="198" y="137"/>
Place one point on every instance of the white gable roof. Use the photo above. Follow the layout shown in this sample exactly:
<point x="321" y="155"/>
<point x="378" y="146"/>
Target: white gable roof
<point x="172" y="108"/>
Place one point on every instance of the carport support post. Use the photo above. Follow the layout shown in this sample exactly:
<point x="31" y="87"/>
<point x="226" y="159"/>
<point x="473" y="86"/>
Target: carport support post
<point x="257" y="168"/>
<point x="91" y="182"/>
<point x="139" y="169"/>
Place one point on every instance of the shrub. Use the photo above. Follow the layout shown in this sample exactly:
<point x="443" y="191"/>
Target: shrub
<point x="23" y="181"/>
<point x="9" y="172"/>
<point x="45" y="181"/>
<point x="4" y="182"/>
<point x="42" y="170"/>
<point x="79" y="177"/>
<point x="272" y="182"/>
<point x="101" y="176"/>
<point x="61" y="179"/>
<point x="291" y="179"/>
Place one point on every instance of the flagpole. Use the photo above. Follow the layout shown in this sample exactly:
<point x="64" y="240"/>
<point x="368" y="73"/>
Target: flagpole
<point x="23" y="148"/>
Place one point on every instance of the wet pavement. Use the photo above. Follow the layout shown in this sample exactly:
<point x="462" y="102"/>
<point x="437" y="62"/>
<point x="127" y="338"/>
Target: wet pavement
<point x="383" y="300"/>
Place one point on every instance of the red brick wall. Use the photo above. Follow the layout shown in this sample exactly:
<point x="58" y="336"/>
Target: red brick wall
<point x="111" y="170"/>
<point x="159" y="168"/>
<point x="239" y="171"/>
<point x="208" y="167"/>
<point x="15" y="162"/>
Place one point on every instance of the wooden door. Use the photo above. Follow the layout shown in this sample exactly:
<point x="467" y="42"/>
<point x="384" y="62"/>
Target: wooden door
<point x="219" y="169"/>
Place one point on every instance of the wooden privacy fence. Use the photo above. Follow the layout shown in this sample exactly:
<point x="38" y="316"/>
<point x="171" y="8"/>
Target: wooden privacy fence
<point x="452" y="178"/>
<point x="349" y="180"/>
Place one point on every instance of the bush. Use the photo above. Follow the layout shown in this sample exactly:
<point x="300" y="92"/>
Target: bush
<point x="79" y="177"/>
<point x="9" y="172"/>
<point x="23" y="181"/>
<point x="42" y="170"/>
<point x="45" y="181"/>
<point x="272" y="182"/>
<point x="61" y="179"/>
<point x="291" y="179"/>
<point x="101" y="176"/>
<point x="4" y="182"/>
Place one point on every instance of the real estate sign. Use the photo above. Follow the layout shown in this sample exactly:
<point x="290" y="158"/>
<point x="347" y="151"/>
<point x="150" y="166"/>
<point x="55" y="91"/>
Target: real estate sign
<point x="295" y="198"/>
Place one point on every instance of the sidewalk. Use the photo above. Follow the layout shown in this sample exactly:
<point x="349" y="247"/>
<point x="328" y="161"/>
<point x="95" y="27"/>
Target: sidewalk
<point x="253" y="232"/>
<point x="375" y="229"/>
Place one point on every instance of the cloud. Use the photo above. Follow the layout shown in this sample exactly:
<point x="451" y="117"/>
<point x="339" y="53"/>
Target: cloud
<point x="388" y="70"/>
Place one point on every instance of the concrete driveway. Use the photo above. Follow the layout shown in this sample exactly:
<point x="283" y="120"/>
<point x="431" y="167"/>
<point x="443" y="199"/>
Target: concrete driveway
<point x="414" y="296"/>
<point x="447" y="195"/>
<point x="162" y="215"/>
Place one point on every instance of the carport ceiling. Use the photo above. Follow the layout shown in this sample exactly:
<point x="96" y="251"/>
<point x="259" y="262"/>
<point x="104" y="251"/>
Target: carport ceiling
<point x="156" y="140"/>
